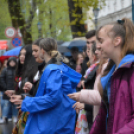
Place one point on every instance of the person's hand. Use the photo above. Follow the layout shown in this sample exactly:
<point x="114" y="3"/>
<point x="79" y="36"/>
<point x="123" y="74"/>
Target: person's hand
<point x="83" y="84"/>
<point x="75" y="96"/>
<point x="78" y="106"/>
<point x="77" y="111"/>
<point x="9" y="93"/>
<point x="27" y="87"/>
<point x="17" y="100"/>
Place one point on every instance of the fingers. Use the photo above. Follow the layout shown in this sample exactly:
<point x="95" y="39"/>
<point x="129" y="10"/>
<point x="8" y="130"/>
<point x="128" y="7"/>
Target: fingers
<point x="83" y="84"/>
<point x="15" y="98"/>
<point x="28" y="85"/>
<point x="9" y="92"/>
<point x="74" y="96"/>
<point x="16" y="102"/>
<point x="75" y="105"/>
<point x="27" y="88"/>
<point x="12" y="100"/>
<point x="77" y="111"/>
<point x="78" y="105"/>
<point x="18" y="107"/>
<point x="71" y="96"/>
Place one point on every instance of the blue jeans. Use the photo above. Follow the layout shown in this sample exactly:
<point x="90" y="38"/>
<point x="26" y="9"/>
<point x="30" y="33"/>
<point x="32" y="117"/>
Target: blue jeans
<point x="8" y="109"/>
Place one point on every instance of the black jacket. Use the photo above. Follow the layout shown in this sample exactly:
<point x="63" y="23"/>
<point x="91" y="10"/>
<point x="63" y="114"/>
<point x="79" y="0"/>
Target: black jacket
<point x="7" y="80"/>
<point x="72" y="63"/>
<point x="84" y="66"/>
<point x="7" y="77"/>
<point x="36" y="84"/>
<point x="89" y="81"/>
<point x="89" y="84"/>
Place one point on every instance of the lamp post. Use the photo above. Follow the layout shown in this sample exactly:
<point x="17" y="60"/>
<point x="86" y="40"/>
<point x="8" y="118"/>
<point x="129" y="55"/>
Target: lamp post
<point x="39" y="29"/>
<point x="133" y="11"/>
<point x="96" y="13"/>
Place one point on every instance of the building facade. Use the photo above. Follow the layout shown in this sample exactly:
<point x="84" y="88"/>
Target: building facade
<point x="115" y="10"/>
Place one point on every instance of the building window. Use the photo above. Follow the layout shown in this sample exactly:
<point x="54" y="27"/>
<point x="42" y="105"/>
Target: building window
<point x="122" y="3"/>
<point x="115" y="6"/>
<point x="108" y="6"/>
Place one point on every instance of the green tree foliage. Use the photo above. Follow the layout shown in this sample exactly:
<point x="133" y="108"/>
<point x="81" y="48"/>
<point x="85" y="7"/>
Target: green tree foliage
<point x="77" y="12"/>
<point x="5" y="20"/>
<point x="58" y="17"/>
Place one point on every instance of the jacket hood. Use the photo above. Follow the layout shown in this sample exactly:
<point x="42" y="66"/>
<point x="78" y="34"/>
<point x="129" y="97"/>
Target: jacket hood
<point x="11" y="59"/>
<point x="74" y="76"/>
<point x="126" y="60"/>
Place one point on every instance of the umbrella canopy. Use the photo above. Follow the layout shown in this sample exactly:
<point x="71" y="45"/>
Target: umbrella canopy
<point x="77" y="43"/>
<point x="3" y="58"/>
<point x="66" y="44"/>
<point x="13" y="52"/>
<point x="63" y="49"/>
<point x="68" y="54"/>
<point x="60" y="42"/>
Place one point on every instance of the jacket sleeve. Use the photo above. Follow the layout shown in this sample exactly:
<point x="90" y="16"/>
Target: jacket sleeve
<point x="53" y="95"/>
<point x="91" y="75"/>
<point x="3" y="80"/>
<point x="128" y="128"/>
<point x="91" y="97"/>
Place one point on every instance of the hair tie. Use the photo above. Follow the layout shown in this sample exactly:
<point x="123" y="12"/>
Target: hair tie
<point x="53" y="53"/>
<point x="121" y="22"/>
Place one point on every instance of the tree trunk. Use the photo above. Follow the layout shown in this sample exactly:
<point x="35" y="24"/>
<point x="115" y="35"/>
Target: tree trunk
<point x="52" y="24"/>
<point x="18" y="20"/>
<point x="76" y="16"/>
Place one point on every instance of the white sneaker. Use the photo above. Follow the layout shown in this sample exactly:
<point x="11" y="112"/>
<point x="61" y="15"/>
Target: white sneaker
<point x="9" y="119"/>
<point x="14" y="119"/>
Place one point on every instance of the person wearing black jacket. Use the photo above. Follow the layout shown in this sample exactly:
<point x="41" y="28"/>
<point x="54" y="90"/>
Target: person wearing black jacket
<point x="85" y="61"/>
<point x="72" y="61"/>
<point x="90" y="37"/>
<point x="7" y="83"/>
<point x="31" y="88"/>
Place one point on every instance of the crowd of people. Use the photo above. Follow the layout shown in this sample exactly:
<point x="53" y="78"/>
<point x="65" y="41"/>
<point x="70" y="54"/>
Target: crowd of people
<point x="90" y="93"/>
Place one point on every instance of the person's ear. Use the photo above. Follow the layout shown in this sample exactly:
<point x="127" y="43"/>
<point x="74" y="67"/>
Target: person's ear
<point x="42" y="51"/>
<point x="117" y="41"/>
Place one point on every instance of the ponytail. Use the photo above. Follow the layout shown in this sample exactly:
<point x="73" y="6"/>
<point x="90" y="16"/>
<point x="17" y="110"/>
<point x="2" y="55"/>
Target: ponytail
<point x="53" y="53"/>
<point x="59" y="57"/>
<point x="128" y="46"/>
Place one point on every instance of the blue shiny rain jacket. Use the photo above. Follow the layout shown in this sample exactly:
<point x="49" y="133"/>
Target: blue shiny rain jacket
<point x="51" y="109"/>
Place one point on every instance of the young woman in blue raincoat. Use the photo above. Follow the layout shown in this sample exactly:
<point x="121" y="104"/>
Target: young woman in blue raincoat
<point x="51" y="109"/>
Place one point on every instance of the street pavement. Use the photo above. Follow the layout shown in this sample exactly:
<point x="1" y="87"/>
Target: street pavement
<point x="6" y="128"/>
